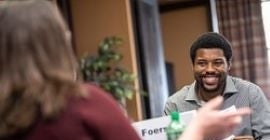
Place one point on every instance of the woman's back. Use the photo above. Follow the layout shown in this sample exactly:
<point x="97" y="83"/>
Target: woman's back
<point x="96" y="117"/>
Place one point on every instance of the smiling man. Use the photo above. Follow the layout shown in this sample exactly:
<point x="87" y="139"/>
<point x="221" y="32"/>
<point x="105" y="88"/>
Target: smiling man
<point x="211" y="56"/>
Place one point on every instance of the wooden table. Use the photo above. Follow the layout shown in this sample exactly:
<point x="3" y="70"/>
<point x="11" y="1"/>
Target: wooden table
<point x="243" y="138"/>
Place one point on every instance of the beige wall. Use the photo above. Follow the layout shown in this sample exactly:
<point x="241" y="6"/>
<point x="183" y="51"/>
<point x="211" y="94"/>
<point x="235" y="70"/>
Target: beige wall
<point x="93" y="20"/>
<point x="179" y="29"/>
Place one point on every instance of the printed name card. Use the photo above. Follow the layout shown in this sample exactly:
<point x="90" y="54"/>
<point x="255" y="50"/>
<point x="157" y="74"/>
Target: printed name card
<point x="154" y="129"/>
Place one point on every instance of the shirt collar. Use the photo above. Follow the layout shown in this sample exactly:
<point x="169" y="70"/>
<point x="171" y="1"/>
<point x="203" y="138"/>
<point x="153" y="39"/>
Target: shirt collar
<point x="191" y="95"/>
<point x="229" y="89"/>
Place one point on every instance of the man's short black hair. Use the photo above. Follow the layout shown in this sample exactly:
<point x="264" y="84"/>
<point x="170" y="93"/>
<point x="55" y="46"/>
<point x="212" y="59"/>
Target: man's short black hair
<point x="211" y="40"/>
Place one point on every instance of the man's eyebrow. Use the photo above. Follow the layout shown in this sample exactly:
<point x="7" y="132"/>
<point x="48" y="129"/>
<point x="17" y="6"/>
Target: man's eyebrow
<point x="218" y="59"/>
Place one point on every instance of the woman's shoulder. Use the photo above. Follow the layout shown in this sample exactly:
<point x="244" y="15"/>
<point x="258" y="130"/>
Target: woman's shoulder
<point x="96" y="99"/>
<point x="95" y="93"/>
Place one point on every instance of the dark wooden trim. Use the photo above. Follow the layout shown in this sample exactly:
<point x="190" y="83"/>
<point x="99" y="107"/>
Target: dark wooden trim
<point x="172" y="6"/>
<point x="180" y="5"/>
<point x="65" y="8"/>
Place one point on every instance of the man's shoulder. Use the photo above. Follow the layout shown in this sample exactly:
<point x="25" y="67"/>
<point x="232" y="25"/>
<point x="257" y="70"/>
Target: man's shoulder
<point x="246" y="87"/>
<point x="180" y="95"/>
<point x="241" y="83"/>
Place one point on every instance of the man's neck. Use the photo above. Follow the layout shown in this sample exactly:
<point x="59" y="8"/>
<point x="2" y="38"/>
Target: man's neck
<point x="206" y="95"/>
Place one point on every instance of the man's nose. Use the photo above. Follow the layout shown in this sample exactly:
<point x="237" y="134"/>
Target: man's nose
<point x="210" y="67"/>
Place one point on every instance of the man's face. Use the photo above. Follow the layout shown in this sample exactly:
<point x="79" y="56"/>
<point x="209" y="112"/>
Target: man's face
<point x="210" y="69"/>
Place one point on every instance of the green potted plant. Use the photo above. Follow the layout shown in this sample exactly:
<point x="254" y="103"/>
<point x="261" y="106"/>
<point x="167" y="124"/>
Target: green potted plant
<point x="105" y="70"/>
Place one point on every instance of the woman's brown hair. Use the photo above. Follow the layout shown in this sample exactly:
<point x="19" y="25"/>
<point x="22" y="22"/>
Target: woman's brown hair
<point x="38" y="67"/>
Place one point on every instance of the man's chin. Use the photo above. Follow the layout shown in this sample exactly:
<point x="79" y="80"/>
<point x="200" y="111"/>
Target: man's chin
<point x="210" y="88"/>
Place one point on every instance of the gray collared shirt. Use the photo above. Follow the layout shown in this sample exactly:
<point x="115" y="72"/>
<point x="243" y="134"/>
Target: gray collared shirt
<point x="237" y="92"/>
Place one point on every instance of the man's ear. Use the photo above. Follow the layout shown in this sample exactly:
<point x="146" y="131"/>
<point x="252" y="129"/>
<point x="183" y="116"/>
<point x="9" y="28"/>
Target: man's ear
<point x="192" y="66"/>
<point x="229" y="65"/>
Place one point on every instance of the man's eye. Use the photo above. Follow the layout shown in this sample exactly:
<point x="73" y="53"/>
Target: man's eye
<point x="218" y="63"/>
<point x="201" y="63"/>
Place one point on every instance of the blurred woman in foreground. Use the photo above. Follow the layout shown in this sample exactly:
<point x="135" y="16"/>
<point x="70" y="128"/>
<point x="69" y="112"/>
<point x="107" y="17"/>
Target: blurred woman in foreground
<point x="40" y="98"/>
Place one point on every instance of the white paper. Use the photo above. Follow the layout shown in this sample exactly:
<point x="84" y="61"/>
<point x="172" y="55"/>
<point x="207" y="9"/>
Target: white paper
<point x="230" y="109"/>
<point x="154" y="129"/>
